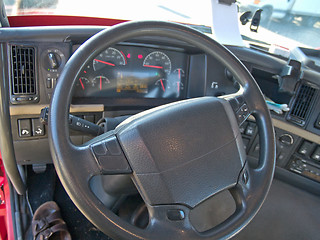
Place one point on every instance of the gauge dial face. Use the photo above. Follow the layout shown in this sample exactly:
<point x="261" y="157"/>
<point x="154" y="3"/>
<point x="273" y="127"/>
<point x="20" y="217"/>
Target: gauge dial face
<point x="162" y="84"/>
<point x="180" y="73"/>
<point x="102" y="82"/>
<point x="110" y="57"/>
<point x="158" y="60"/>
<point x="83" y="82"/>
<point x="177" y="84"/>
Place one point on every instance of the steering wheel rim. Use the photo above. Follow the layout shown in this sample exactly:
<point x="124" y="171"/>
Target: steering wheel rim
<point x="75" y="171"/>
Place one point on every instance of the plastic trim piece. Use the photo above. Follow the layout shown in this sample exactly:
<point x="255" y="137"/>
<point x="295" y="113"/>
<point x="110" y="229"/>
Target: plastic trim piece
<point x="6" y="142"/>
<point x="36" y="109"/>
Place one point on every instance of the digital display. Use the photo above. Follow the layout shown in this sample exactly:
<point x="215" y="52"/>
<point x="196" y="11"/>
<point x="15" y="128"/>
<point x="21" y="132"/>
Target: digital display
<point x="132" y="85"/>
<point x="131" y="71"/>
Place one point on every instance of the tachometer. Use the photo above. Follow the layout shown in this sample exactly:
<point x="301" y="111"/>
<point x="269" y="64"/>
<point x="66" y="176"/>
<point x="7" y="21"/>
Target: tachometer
<point x="158" y="60"/>
<point x="110" y="57"/>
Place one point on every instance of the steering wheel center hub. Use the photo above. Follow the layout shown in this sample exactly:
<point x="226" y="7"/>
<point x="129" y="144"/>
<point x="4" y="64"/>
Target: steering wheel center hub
<point x="189" y="150"/>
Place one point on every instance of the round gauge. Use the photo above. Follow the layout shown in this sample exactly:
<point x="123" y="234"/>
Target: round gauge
<point x="177" y="84"/>
<point x="102" y="81"/>
<point x="162" y="84"/>
<point x="179" y="72"/>
<point x="110" y="57"/>
<point x="83" y="82"/>
<point x="158" y="60"/>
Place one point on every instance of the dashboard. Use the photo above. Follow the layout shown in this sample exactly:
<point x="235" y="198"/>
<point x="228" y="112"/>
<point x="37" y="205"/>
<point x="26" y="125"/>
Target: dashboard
<point x="142" y="73"/>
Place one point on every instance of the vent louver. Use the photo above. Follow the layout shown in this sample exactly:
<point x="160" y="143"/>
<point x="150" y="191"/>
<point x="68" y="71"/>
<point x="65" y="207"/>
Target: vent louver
<point x="23" y="78"/>
<point x="302" y="105"/>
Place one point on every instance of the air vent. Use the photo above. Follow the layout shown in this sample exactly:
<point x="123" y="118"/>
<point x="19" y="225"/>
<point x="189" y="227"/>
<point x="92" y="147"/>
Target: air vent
<point x="302" y="105"/>
<point x="23" y="76"/>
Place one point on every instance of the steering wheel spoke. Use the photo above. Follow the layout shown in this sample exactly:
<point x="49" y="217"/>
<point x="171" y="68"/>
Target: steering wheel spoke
<point x="239" y="106"/>
<point x="109" y="155"/>
<point x="84" y="157"/>
<point x="166" y="219"/>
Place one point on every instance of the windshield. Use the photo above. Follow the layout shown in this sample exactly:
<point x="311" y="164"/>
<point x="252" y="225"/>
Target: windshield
<point x="178" y="10"/>
<point x="287" y="23"/>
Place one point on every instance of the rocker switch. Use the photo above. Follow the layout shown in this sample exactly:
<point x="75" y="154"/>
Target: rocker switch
<point x="316" y="154"/>
<point x="24" y="127"/>
<point x="37" y="127"/>
<point x="305" y="148"/>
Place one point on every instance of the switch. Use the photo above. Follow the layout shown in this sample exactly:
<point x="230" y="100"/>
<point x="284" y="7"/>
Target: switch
<point x="245" y="143"/>
<point x="317" y="122"/>
<point x="243" y="127"/>
<point x="37" y="127"/>
<point x="113" y="146"/>
<point x="53" y="60"/>
<point x="250" y="129"/>
<point x="305" y="148"/>
<point x="54" y="82"/>
<point x="286" y="139"/>
<point x="316" y="154"/>
<point x="100" y="149"/>
<point x="49" y="82"/>
<point x="242" y="113"/>
<point x="24" y="127"/>
<point x="244" y="108"/>
<point x="175" y="214"/>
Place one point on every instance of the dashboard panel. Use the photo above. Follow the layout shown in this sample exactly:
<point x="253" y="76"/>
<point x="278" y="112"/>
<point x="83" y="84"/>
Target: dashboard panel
<point x="143" y="73"/>
<point x="124" y="71"/>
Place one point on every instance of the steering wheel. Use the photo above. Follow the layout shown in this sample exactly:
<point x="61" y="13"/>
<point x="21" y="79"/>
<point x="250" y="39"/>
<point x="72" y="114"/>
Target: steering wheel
<point x="178" y="155"/>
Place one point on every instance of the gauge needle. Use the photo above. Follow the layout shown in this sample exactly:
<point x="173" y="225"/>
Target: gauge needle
<point x="179" y="72"/>
<point x="153" y="66"/>
<point x="162" y="85"/>
<point x="81" y="83"/>
<point x="100" y="83"/>
<point x="107" y="63"/>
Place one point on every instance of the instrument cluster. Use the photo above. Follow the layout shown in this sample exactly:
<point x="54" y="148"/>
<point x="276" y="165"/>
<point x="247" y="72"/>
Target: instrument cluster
<point x="134" y="71"/>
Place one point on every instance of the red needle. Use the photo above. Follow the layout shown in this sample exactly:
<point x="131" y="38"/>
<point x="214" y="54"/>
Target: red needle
<point x="152" y="66"/>
<point x="178" y="87"/>
<point x="179" y="72"/>
<point x="100" y="83"/>
<point x="162" y="85"/>
<point x="107" y="63"/>
<point x="81" y="83"/>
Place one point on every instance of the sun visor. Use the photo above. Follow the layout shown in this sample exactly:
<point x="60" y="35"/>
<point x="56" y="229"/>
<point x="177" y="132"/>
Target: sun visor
<point x="225" y="24"/>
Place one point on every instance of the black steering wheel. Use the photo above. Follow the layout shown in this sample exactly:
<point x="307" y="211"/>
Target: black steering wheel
<point x="178" y="155"/>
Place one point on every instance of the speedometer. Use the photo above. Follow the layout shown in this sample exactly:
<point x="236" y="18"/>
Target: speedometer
<point x="158" y="60"/>
<point x="110" y="57"/>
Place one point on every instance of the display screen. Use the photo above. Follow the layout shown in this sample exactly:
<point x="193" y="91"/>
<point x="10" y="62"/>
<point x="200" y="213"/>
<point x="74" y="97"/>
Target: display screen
<point x="132" y="71"/>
